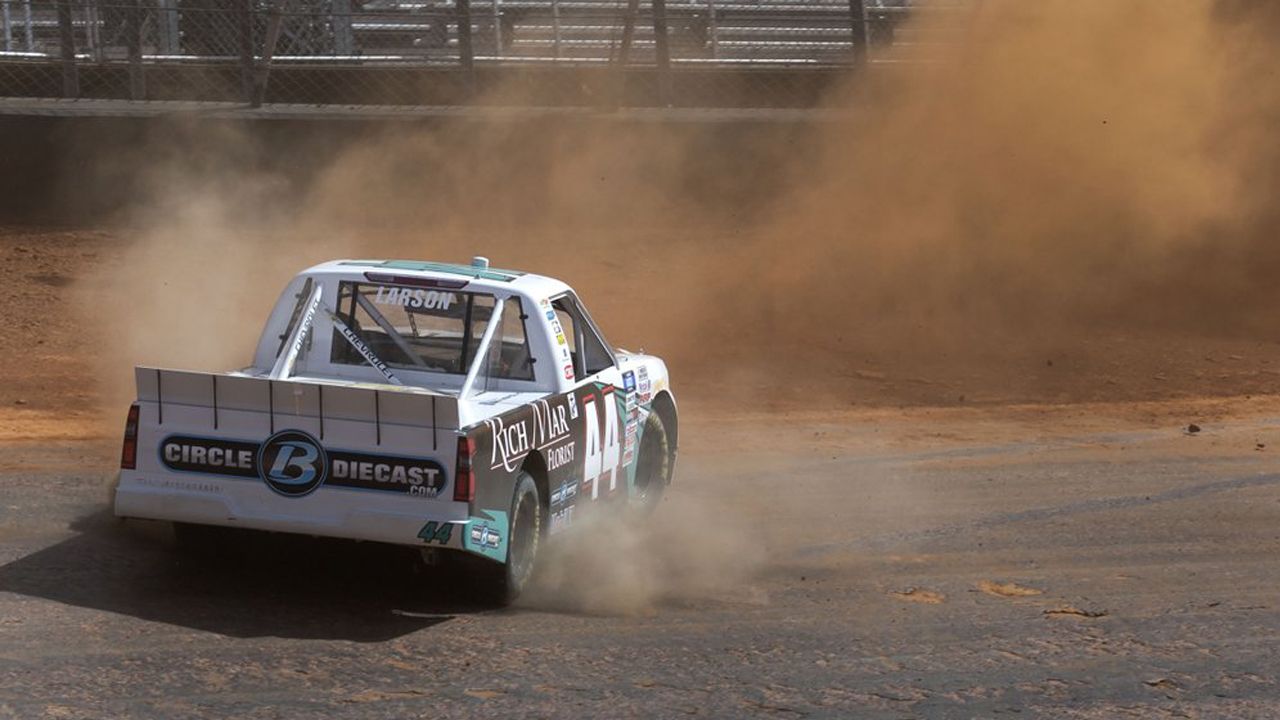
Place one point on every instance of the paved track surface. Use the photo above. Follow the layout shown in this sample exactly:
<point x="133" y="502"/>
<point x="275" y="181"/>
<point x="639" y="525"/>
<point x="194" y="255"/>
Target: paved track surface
<point x="897" y="564"/>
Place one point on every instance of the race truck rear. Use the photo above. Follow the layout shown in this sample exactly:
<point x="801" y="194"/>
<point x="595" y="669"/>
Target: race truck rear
<point x="460" y="409"/>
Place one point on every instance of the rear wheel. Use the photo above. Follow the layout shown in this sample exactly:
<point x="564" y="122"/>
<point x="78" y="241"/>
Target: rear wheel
<point x="503" y="584"/>
<point x="653" y="466"/>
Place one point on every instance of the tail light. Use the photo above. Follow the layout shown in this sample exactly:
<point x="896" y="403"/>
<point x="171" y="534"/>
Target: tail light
<point x="129" y="451"/>
<point x="464" y="481"/>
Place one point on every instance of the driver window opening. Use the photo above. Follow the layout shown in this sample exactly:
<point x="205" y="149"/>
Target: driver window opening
<point x="589" y="353"/>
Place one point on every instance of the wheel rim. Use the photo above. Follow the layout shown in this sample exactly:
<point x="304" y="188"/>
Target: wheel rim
<point x="649" y="470"/>
<point x="524" y="538"/>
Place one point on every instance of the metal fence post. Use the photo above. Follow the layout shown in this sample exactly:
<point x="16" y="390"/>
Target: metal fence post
<point x="555" y="28"/>
<point x="343" y="39"/>
<point x="262" y="73"/>
<point x="133" y="39"/>
<point x="5" y="27"/>
<point x="662" y="48"/>
<point x="497" y="28"/>
<point x="167" y="36"/>
<point x="617" y="89"/>
<point x="26" y="19"/>
<point x="858" y="28"/>
<point x="628" y="31"/>
<point x="67" y="39"/>
<point x="93" y="29"/>
<point x="244" y="23"/>
<point x="466" y="52"/>
<point x="713" y="27"/>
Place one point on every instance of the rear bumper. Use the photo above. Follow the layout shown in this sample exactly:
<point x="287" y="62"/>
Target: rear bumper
<point x="337" y="513"/>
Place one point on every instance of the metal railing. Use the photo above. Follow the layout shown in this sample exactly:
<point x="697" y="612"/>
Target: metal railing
<point x="431" y="51"/>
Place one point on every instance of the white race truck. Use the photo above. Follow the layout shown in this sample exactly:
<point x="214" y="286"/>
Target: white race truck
<point x="456" y="408"/>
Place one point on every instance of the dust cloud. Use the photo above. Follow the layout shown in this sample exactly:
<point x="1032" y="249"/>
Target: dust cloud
<point x="1066" y="169"/>
<point x="1061" y="165"/>
<point x="1091" y="180"/>
<point x="688" y="551"/>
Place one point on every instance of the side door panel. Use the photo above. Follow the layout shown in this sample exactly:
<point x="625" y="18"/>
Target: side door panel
<point x="586" y="438"/>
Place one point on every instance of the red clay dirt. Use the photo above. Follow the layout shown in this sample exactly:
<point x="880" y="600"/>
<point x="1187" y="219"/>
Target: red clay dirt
<point x="57" y="387"/>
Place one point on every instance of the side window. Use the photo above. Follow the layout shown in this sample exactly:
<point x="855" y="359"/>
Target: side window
<point x="594" y="353"/>
<point x="566" y="324"/>
<point x="477" y="319"/>
<point x="509" y="351"/>
<point x="590" y="354"/>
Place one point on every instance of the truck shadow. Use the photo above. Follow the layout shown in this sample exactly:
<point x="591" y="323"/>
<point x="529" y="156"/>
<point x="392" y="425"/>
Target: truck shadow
<point x="267" y="586"/>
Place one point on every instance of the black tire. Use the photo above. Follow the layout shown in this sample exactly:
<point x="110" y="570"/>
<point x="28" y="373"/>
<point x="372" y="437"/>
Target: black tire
<point x="502" y="584"/>
<point x="653" y="465"/>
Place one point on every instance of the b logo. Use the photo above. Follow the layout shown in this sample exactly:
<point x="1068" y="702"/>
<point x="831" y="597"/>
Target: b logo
<point x="292" y="463"/>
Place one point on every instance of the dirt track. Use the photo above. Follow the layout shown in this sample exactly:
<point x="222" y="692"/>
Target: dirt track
<point x="1078" y="572"/>
<point x="1051" y="559"/>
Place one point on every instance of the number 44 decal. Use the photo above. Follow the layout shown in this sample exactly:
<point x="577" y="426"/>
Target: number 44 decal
<point x="436" y="532"/>
<point x="603" y="444"/>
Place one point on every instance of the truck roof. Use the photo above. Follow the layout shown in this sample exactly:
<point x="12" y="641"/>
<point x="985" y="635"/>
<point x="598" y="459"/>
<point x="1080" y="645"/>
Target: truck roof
<point x="478" y="277"/>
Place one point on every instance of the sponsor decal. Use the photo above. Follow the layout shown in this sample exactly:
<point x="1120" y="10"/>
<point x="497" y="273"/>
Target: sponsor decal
<point x="549" y="430"/>
<point x="631" y="417"/>
<point x="364" y="350"/>
<point x="484" y="535"/>
<point x="643" y="387"/>
<point x="549" y="421"/>
<point x="510" y="444"/>
<point x="421" y="477"/>
<point x="629" y="443"/>
<point x="417" y="299"/>
<point x="558" y="330"/>
<point x="551" y="314"/>
<point x="206" y="455"/>
<point x="567" y="491"/>
<point x="173" y="484"/>
<point x="559" y="456"/>
<point x="294" y="464"/>
<point x="561" y="519"/>
<point x="568" y="372"/>
<point x="436" y="532"/>
<point x="304" y="328"/>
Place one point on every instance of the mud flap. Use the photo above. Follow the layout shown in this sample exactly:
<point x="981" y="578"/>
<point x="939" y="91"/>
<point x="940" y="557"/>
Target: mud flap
<point x="487" y="536"/>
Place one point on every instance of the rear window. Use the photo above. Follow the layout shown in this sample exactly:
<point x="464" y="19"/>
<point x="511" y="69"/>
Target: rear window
<point x="428" y="330"/>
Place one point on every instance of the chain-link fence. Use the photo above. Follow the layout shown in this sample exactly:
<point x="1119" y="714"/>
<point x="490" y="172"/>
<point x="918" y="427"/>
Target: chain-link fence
<point x="441" y="52"/>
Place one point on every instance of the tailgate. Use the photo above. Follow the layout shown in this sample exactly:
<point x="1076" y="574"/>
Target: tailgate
<point x="292" y="455"/>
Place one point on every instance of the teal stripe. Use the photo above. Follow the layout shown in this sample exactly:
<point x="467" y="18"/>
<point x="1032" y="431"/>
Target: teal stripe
<point x="449" y="268"/>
